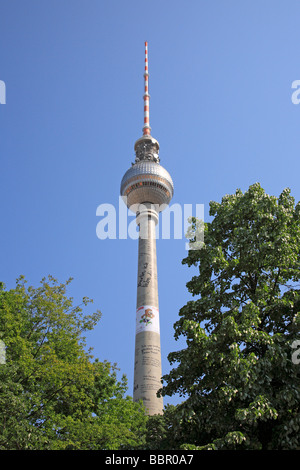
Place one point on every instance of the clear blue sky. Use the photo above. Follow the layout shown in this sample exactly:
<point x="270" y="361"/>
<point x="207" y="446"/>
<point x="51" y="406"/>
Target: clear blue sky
<point x="221" y="109"/>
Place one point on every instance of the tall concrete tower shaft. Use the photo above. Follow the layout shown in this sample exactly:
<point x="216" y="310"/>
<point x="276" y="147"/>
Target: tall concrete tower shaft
<point x="146" y="189"/>
<point x="147" y="363"/>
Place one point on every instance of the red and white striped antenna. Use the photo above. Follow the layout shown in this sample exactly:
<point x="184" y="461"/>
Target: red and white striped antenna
<point x="146" y="128"/>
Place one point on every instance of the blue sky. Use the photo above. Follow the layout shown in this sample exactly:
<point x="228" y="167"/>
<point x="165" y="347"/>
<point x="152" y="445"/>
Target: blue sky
<point x="221" y="109"/>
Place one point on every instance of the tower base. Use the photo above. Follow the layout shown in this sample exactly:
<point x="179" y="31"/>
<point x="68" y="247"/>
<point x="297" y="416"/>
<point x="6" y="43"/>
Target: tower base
<point x="147" y="371"/>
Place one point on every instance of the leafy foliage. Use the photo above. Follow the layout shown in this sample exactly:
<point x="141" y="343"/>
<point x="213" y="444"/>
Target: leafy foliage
<point x="237" y="374"/>
<point x="52" y="395"/>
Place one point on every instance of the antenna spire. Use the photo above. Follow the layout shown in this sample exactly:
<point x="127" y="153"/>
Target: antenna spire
<point x="146" y="128"/>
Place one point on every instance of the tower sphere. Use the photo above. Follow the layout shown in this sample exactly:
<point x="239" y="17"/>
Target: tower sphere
<point x="147" y="180"/>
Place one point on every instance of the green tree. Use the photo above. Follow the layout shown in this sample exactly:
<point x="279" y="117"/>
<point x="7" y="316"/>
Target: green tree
<point x="53" y="395"/>
<point x="169" y="430"/>
<point x="237" y="371"/>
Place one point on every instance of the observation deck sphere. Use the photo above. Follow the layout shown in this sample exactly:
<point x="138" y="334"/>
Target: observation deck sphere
<point x="147" y="181"/>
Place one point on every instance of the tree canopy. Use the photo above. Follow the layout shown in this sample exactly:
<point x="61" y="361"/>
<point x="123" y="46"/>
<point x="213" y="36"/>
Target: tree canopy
<point x="237" y="374"/>
<point x="53" y="395"/>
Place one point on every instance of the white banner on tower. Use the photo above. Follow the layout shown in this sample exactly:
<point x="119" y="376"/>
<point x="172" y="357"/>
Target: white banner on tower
<point x="147" y="319"/>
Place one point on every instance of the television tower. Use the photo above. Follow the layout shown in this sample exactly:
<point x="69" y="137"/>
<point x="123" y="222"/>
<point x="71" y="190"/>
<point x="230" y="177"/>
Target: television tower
<point x="146" y="189"/>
